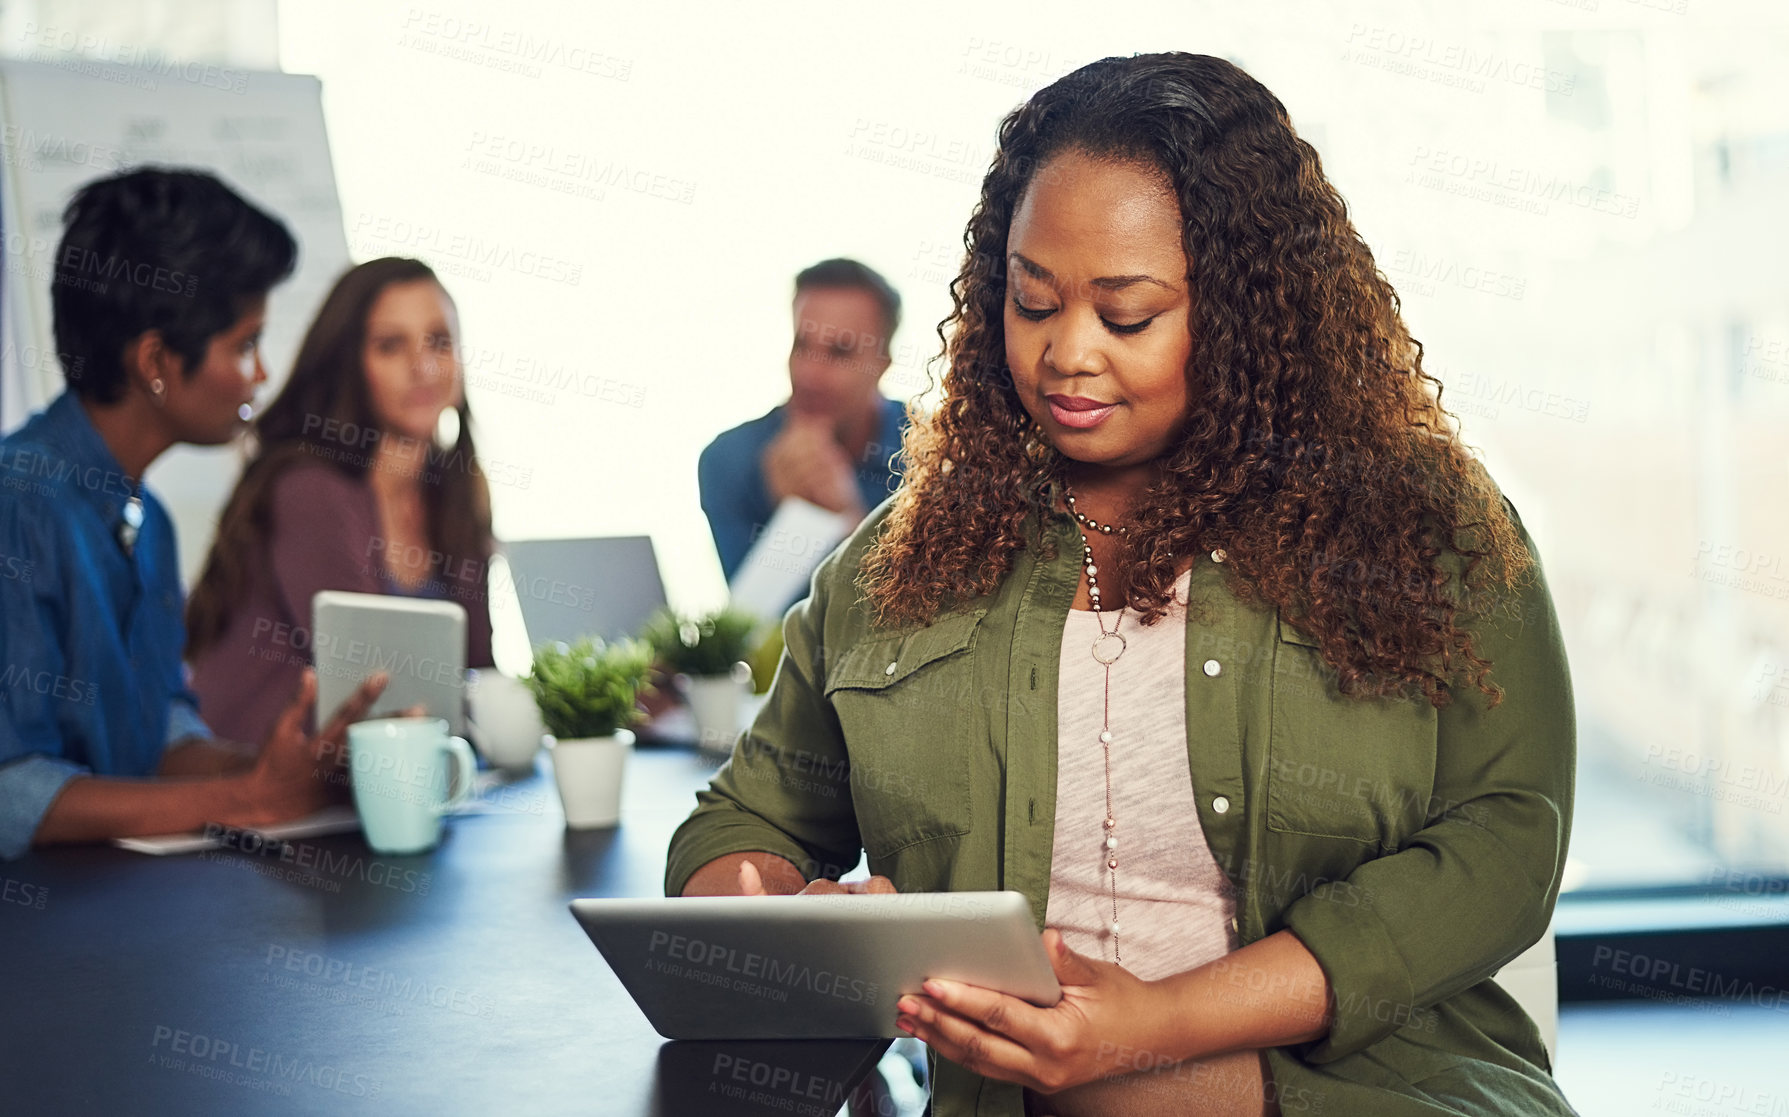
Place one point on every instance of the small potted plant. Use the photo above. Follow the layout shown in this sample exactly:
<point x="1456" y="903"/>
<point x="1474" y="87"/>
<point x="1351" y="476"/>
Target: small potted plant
<point x="586" y="693"/>
<point x="708" y="654"/>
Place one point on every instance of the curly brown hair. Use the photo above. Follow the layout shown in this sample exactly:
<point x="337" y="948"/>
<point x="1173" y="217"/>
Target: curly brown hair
<point x="1316" y="448"/>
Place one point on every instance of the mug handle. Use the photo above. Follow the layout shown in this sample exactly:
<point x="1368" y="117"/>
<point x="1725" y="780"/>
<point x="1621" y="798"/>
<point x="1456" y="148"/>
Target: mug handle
<point x="466" y="767"/>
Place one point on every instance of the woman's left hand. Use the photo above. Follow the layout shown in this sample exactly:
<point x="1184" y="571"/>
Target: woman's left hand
<point x="1106" y="1016"/>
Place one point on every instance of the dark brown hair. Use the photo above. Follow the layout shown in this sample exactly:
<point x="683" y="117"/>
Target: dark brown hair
<point x="1316" y="451"/>
<point x="324" y="413"/>
<point x="157" y="248"/>
<point x="853" y="275"/>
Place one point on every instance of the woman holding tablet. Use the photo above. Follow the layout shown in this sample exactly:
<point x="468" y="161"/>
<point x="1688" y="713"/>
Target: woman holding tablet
<point x="364" y="478"/>
<point x="1194" y="622"/>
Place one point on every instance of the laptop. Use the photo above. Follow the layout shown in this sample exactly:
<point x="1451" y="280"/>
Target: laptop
<point x="572" y="588"/>
<point x="811" y="967"/>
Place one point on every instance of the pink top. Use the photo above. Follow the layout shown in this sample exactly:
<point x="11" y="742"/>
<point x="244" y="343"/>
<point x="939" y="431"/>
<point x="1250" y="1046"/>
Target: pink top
<point x="1176" y="906"/>
<point x="323" y="534"/>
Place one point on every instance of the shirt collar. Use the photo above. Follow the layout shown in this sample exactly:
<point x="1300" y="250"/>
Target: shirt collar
<point x="97" y="477"/>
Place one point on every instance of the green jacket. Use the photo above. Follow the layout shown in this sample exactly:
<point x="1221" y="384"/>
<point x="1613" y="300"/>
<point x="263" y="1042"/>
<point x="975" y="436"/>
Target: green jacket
<point x="1413" y="851"/>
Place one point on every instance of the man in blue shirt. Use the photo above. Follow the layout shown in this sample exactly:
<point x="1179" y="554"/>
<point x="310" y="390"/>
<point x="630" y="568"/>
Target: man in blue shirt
<point x="835" y="442"/>
<point x="159" y="295"/>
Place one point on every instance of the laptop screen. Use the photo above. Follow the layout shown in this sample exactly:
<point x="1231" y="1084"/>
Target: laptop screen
<point x="571" y="588"/>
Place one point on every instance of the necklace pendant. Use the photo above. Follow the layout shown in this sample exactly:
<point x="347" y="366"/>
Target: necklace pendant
<point x="1107" y="647"/>
<point x="131" y="526"/>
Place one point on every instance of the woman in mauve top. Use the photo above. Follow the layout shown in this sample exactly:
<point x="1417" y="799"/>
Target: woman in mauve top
<point x="364" y="478"/>
<point x="1193" y="622"/>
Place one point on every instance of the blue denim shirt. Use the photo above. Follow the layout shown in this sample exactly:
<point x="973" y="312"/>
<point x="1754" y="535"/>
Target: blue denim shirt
<point x="730" y="475"/>
<point x="90" y="637"/>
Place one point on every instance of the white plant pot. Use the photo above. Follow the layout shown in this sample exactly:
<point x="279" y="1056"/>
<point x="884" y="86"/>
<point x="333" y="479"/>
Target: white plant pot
<point x="716" y="703"/>
<point x="588" y="772"/>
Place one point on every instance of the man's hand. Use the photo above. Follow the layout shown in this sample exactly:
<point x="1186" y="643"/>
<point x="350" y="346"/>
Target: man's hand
<point x="295" y="774"/>
<point x="805" y="460"/>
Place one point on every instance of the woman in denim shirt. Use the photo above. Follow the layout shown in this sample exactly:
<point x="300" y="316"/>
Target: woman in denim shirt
<point x="159" y="295"/>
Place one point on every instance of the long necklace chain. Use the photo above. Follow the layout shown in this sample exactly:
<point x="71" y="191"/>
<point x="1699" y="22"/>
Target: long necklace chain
<point x="1107" y="647"/>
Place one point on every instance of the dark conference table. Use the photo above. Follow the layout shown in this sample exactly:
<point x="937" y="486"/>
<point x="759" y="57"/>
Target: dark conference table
<point x="335" y="980"/>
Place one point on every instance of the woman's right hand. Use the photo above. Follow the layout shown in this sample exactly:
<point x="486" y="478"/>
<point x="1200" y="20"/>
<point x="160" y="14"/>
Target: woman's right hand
<point x="751" y="883"/>
<point x="298" y="775"/>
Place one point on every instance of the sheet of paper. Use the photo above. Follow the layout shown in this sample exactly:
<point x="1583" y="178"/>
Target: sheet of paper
<point x="776" y="570"/>
<point x="339" y="819"/>
<point x="330" y="820"/>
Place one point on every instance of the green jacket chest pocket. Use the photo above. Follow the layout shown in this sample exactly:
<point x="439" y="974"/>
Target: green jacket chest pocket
<point x="1360" y="769"/>
<point x="909" y="709"/>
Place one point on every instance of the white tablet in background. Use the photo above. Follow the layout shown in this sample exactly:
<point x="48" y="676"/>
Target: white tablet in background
<point x="420" y="643"/>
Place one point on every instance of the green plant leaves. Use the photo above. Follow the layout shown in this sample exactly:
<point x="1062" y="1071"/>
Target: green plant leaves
<point x="704" y="645"/>
<point x="588" y="689"/>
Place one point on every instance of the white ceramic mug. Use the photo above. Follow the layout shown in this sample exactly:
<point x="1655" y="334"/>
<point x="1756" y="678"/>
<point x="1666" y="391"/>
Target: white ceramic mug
<point x="506" y="724"/>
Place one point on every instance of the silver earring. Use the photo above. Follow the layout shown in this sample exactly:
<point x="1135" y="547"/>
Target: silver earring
<point x="156" y="388"/>
<point x="447" y="430"/>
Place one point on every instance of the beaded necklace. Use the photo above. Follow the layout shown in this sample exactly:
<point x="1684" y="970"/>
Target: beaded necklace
<point x="1107" y="648"/>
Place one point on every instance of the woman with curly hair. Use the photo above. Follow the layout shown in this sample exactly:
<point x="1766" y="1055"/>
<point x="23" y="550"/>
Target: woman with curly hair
<point x="1194" y="622"/>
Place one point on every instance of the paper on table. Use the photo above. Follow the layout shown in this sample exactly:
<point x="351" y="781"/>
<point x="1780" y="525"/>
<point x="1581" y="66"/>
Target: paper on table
<point x="339" y="819"/>
<point x="776" y="570"/>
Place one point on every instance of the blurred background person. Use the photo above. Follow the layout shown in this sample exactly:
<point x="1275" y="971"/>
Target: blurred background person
<point x="158" y="302"/>
<point x="363" y="478"/>
<point x="834" y="441"/>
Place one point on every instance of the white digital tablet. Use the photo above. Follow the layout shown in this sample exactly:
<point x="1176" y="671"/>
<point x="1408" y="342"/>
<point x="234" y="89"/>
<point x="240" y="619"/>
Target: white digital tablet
<point x="811" y="967"/>
<point x="420" y="643"/>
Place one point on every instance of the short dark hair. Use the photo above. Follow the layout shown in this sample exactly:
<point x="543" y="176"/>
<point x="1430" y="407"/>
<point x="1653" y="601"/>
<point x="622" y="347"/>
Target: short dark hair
<point x="157" y="249"/>
<point x="840" y="272"/>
